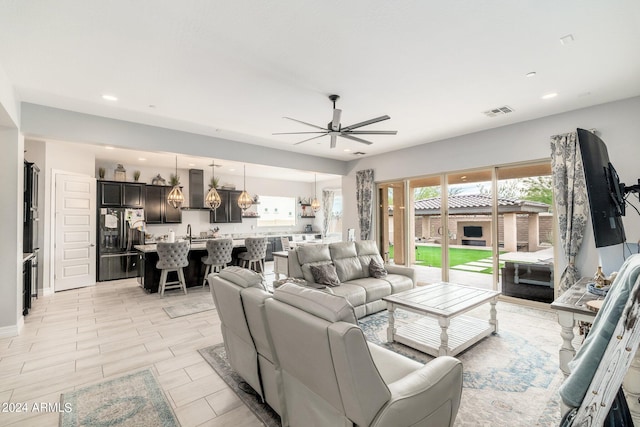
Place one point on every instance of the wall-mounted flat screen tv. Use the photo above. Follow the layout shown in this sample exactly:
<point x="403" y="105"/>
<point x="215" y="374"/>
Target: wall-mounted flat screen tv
<point x="606" y="193"/>
<point x="472" y="231"/>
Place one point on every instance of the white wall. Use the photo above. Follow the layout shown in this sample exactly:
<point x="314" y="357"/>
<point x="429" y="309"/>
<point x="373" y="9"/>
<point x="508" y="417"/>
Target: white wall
<point x="617" y="124"/>
<point x="11" y="168"/>
<point x="63" y="125"/>
<point x="52" y="158"/>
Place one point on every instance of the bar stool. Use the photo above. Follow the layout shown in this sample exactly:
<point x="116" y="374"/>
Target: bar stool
<point x="172" y="257"/>
<point x="218" y="256"/>
<point x="255" y="254"/>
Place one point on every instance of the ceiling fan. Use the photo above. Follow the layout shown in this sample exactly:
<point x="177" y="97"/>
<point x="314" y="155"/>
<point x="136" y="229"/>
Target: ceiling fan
<point x="335" y="129"/>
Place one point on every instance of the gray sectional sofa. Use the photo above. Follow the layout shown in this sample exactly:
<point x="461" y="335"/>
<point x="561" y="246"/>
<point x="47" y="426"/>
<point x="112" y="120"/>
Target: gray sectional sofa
<point x="351" y="261"/>
<point x="303" y="352"/>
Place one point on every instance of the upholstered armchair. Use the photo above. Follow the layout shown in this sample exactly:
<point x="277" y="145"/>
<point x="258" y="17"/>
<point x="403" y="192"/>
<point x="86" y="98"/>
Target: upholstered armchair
<point x="332" y="377"/>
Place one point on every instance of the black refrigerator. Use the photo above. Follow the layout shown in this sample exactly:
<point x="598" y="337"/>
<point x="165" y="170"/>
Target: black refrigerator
<point x="117" y="259"/>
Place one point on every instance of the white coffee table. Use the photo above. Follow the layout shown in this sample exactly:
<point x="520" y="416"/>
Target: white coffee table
<point x="443" y="331"/>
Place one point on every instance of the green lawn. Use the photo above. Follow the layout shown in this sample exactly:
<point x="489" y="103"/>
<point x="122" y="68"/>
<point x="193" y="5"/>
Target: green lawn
<point x="431" y="256"/>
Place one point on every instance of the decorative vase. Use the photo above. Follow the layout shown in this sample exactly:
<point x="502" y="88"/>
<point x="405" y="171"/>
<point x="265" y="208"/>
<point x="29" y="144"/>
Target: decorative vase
<point x="599" y="278"/>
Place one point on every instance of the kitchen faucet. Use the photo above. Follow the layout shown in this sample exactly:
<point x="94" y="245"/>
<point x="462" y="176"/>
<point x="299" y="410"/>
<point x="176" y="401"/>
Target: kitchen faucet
<point x="189" y="232"/>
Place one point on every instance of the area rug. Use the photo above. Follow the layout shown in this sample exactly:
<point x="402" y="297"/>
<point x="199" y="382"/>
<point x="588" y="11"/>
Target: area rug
<point x="216" y="356"/>
<point x="188" y="308"/>
<point x="130" y="401"/>
<point x="510" y="379"/>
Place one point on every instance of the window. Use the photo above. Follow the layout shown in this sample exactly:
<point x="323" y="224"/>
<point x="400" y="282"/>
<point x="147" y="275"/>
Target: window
<point x="335" y="224"/>
<point x="276" y="211"/>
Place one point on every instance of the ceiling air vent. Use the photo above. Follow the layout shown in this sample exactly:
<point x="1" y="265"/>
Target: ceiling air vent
<point x="359" y="153"/>
<point x="505" y="109"/>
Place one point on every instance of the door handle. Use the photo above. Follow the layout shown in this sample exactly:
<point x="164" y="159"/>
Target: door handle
<point x="92" y="245"/>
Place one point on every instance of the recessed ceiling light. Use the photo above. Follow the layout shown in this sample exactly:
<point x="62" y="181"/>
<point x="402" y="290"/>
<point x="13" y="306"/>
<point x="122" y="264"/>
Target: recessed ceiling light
<point x="192" y="164"/>
<point x="347" y="149"/>
<point x="108" y="147"/>
<point x="231" y="170"/>
<point x="108" y="97"/>
<point x="531" y="74"/>
<point x="549" y="95"/>
<point x="142" y="159"/>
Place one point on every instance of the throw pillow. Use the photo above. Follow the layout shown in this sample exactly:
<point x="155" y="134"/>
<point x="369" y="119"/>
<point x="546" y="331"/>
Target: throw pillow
<point x="325" y="274"/>
<point x="377" y="270"/>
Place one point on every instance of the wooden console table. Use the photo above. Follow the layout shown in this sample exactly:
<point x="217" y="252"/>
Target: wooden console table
<point x="571" y="308"/>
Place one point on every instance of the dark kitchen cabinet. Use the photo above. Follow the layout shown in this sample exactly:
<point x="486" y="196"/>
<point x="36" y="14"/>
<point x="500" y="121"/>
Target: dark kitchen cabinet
<point x="121" y="194"/>
<point x="157" y="210"/>
<point x="229" y="211"/>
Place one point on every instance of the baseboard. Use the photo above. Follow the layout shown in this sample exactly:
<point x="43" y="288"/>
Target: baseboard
<point x="46" y="292"/>
<point x="13" y="330"/>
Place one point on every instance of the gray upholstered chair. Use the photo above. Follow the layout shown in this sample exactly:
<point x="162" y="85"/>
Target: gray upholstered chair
<point x="172" y="257"/>
<point x="331" y="376"/>
<point x="255" y="254"/>
<point x="239" y="298"/>
<point x="218" y="256"/>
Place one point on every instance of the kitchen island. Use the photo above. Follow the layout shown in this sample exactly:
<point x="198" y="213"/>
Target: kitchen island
<point x="149" y="275"/>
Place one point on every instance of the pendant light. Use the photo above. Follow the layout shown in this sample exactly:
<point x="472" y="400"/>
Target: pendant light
<point x="245" y="201"/>
<point x="213" y="200"/>
<point x="175" y="197"/>
<point x="315" y="203"/>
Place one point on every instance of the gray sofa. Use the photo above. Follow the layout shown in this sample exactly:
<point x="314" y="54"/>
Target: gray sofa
<point x="302" y="351"/>
<point x="351" y="261"/>
<point x="331" y="376"/>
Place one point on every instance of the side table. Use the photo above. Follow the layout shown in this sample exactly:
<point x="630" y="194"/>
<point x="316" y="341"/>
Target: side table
<point x="571" y="308"/>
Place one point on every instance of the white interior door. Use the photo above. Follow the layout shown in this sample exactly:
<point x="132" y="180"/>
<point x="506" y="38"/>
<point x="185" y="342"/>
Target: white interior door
<point x="75" y="235"/>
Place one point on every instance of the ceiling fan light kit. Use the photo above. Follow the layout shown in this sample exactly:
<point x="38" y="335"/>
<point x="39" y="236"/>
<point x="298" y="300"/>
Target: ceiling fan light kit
<point x="334" y="128"/>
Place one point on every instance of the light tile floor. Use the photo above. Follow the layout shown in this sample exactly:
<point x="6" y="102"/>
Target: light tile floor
<point x="84" y="336"/>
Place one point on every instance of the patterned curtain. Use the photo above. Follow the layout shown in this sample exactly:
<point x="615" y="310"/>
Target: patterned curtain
<point x="364" y="197"/>
<point x="570" y="195"/>
<point x="327" y="210"/>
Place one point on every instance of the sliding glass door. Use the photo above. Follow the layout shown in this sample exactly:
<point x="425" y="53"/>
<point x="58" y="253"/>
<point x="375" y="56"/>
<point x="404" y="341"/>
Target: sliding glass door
<point x="470" y="228"/>
<point x="525" y="229"/>
<point x="426" y="228"/>
<point x="476" y="228"/>
<point x="392" y="222"/>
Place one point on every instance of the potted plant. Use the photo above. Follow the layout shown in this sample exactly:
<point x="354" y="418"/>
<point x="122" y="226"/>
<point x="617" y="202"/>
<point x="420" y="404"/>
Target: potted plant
<point x="174" y="179"/>
<point x="215" y="181"/>
<point x="136" y="175"/>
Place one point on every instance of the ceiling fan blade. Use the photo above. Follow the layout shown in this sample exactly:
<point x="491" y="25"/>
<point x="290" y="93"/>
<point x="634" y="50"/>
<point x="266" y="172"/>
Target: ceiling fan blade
<point x="334" y="139"/>
<point x="366" y="122"/>
<point x="305" y="123"/>
<point x="335" y="123"/>
<point x="372" y="132"/>
<point x="305" y="140"/>
<point x="348" y="136"/>
<point x="295" y="133"/>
